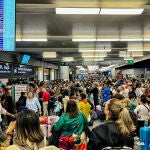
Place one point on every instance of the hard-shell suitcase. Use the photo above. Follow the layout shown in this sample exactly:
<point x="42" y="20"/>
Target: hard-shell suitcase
<point x="117" y="148"/>
<point x="145" y="138"/>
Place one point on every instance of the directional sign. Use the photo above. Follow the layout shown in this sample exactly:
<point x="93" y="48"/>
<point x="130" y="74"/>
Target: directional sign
<point x="130" y="62"/>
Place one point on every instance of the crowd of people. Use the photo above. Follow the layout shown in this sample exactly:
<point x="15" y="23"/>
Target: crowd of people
<point x="124" y="104"/>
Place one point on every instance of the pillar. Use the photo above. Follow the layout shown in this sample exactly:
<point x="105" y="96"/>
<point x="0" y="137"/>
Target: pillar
<point x="64" y="72"/>
<point x="40" y="74"/>
<point x="52" y="77"/>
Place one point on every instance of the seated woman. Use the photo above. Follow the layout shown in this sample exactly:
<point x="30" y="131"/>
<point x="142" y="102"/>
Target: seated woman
<point x="71" y="124"/>
<point x="28" y="134"/>
<point x="117" y="129"/>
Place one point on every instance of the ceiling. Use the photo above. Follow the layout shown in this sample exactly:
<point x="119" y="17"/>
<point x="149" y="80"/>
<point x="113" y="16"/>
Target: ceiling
<point x="39" y="20"/>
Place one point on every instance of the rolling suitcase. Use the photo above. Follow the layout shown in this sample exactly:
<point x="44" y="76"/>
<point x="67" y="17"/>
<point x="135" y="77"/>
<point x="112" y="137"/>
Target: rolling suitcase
<point x="145" y="138"/>
<point x="117" y="148"/>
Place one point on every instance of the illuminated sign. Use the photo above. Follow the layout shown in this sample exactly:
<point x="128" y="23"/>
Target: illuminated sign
<point x="5" y="69"/>
<point x="23" y="70"/>
<point x="7" y="25"/>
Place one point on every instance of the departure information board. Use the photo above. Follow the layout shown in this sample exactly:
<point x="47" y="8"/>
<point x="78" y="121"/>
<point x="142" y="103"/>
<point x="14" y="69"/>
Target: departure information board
<point x="7" y="25"/>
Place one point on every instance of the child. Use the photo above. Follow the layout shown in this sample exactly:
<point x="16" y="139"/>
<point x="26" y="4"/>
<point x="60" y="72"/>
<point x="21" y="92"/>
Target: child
<point x="133" y="102"/>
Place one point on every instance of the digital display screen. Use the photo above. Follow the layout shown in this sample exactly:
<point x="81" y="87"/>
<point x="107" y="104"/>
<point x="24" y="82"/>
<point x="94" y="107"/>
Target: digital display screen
<point x="7" y="25"/>
<point x="25" y="59"/>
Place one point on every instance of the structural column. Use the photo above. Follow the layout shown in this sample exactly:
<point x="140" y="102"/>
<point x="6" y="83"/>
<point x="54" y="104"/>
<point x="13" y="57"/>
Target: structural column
<point x="64" y="72"/>
<point x="40" y="74"/>
<point x="52" y="77"/>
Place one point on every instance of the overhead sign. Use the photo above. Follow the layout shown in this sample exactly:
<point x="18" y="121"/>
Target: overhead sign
<point x="23" y="70"/>
<point x="130" y="62"/>
<point x="5" y="69"/>
<point x="7" y="25"/>
<point x="82" y="63"/>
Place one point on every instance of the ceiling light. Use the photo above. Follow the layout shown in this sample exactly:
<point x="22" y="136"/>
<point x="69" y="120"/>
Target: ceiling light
<point x="117" y="11"/>
<point x="94" y="50"/>
<point x="108" y="39"/>
<point x="135" y="50"/>
<point x="36" y="40"/>
<point x="68" y="59"/>
<point x="146" y="39"/>
<point x="49" y="55"/>
<point x="84" y="11"/>
<point x="93" y="59"/>
<point x="18" y="39"/>
<point x="139" y="39"/>
<point x="87" y="56"/>
<point x="128" y="58"/>
<point x="137" y="54"/>
<point x="83" y="40"/>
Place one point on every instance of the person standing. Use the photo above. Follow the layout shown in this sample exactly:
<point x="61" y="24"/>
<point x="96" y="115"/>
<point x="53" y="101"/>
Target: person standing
<point x="33" y="103"/>
<point x="106" y="93"/>
<point x="95" y="92"/>
<point x="45" y="97"/>
<point x="84" y="105"/>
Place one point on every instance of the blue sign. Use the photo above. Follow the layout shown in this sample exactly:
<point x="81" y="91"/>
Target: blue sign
<point x="7" y="25"/>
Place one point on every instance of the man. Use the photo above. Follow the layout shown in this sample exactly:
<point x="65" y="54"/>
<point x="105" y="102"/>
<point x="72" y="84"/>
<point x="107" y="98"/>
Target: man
<point x="45" y="97"/>
<point x="106" y="93"/>
<point x="95" y="92"/>
<point x="83" y="105"/>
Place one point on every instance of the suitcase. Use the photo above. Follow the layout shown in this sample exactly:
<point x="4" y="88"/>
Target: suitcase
<point x="117" y="148"/>
<point x="44" y="129"/>
<point x="145" y="138"/>
<point x="49" y="128"/>
<point x="52" y="120"/>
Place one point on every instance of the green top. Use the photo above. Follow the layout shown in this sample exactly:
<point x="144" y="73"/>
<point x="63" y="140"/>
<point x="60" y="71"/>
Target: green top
<point x="133" y="105"/>
<point x="71" y="126"/>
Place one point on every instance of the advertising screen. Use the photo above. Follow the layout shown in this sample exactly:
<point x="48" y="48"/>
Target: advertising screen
<point x="7" y="25"/>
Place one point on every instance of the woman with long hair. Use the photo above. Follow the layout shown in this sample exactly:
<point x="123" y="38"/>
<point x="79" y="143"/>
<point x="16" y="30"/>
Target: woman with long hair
<point x="71" y="124"/>
<point x="28" y="134"/>
<point x="33" y="103"/>
<point x="117" y="129"/>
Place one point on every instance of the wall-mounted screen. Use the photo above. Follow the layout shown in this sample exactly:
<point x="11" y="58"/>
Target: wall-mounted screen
<point x="7" y="25"/>
<point x="25" y="59"/>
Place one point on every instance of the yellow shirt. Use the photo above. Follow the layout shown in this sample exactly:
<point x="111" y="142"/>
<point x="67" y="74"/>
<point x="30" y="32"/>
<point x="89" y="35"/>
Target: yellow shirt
<point x="84" y="107"/>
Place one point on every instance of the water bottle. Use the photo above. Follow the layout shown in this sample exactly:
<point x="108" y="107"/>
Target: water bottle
<point x="146" y="123"/>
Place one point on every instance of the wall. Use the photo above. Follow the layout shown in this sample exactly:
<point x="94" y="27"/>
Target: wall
<point x="135" y="73"/>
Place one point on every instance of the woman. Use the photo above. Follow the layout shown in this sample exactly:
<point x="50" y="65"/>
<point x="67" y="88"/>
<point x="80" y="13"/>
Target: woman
<point x="28" y="134"/>
<point x="71" y="124"/>
<point x="21" y="103"/>
<point x="33" y="103"/>
<point x="142" y="111"/>
<point x="115" y="131"/>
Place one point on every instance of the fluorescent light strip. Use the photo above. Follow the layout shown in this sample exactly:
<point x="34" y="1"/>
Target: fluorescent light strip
<point x="36" y="40"/>
<point x="96" y="50"/>
<point x="135" y="50"/>
<point x="128" y="58"/>
<point x="49" y="54"/>
<point x="18" y="39"/>
<point x="108" y="39"/>
<point x="77" y="11"/>
<point x="83" y="40"/>
<point x="92" y="56"/>
<point x="68" y="59"/>
<point x="115" y="11"/>
<point x="131" y="39"/>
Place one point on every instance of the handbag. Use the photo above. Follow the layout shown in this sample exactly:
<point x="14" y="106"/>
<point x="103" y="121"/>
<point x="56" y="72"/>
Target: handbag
<point x="54" y="139"/>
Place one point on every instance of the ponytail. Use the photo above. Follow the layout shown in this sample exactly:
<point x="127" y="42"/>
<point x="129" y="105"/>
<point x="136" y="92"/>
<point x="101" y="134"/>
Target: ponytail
<point x="125" y="123"/>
